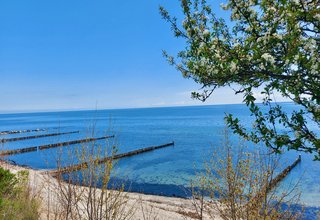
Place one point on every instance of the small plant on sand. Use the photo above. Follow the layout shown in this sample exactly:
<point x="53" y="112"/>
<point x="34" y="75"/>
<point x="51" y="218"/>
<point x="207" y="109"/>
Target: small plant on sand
<point x="16" y="201"/>
<point x="236" y="185"/>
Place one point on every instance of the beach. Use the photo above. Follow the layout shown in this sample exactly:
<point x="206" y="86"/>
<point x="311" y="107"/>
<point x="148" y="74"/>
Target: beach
<point x="44" y="188"/>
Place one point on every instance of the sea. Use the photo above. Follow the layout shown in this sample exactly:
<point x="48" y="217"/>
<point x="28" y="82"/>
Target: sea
<point x="197" y="132"/>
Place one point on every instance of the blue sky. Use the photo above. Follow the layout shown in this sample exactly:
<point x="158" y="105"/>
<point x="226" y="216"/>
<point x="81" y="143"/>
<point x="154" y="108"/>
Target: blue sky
<point x="76" y="54"/>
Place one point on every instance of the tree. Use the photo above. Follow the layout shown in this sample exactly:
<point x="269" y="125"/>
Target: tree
<point x="269" y="46"/>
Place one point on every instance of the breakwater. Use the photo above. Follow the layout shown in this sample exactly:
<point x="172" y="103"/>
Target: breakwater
<point x="21" y="131"/>
<point x="98" y="161"/>
<point x="48" y="146"/>
<point x="283" y="174"/>
<point x="35" y="136"/>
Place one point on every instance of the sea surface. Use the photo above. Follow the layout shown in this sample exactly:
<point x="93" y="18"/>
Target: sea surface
<point x="196" y="131"/>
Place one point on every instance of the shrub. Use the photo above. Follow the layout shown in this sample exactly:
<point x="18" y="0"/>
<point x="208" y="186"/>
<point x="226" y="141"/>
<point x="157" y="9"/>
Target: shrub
<point x="236" y="185"/>
<point x="16" y="202"/>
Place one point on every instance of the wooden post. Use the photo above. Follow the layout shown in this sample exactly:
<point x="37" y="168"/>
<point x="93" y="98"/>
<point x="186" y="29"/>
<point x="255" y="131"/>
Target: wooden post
<point x="274" y="182"/>
<point x="21" y="131"/>
<point x="67" y="143"/>
<point x="35" y="136"/>
<point x="283" y="174"/>
<point x="106" y="159"/>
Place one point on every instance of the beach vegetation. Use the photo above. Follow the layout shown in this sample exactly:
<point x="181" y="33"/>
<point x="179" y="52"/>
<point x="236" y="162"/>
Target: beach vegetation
<point x="236" y="184"/>
<point x="88" y="192"/>
<point x="16" y="200"/>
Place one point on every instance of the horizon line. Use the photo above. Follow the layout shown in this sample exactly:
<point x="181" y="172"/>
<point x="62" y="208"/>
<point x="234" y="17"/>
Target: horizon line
<point x="118" y="108"/>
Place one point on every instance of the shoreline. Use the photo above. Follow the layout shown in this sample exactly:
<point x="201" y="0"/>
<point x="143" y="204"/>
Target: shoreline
<point x="42" y="187"/>
<point x="153" y="206"/>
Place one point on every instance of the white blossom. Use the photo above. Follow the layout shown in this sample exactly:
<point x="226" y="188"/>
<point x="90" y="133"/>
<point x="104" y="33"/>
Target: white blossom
<point x="273" y="9"/>
<point x="224" y="6"/>
<point x="206" y="32"/>
<point x="296" y="1"/>
<point x="268" y="57"/>
<point x="261" y="66"/>
<point x="233" y="66"/>
<point x="315" y="69"/>
<point x="278" y="36"/>
<point x="252" y="2"/>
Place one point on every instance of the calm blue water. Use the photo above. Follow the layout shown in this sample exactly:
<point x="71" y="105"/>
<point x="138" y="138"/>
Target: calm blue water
<point x="195" y="130"/>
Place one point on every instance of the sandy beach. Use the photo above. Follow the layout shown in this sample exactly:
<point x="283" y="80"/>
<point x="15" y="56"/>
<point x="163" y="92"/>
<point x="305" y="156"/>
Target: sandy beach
<point x="44" y="187"/>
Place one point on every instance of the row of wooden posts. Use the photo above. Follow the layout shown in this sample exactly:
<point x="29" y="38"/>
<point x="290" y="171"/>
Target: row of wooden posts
<point x="84" y="165"/>
<point x="4" y="140"/>
<point x="67" y="143"/>
<point x="44" y="147"/>
<point x="98" y="161"/>
<point x="283" y="174"/>
<point x="21" y="131"/>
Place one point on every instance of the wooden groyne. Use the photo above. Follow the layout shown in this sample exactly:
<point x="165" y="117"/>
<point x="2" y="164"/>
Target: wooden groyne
<point x="18" y="151"/>
<point x="139" y="151"/>
<point x="274" y="182"/>
<point x="35" y="136"/>
<point x="21" y="131"/>
<point x="106" y="159"/>
<point x="67" y="143"/>
<point x="44" y="147"/>
<point x="283" y="174"/>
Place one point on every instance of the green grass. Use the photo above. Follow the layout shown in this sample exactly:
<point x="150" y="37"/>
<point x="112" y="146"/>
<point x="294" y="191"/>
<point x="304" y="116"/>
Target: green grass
<point x="16" y="202"/>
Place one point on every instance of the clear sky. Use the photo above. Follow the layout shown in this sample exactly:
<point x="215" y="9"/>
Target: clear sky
<point x="81" y="54"/>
